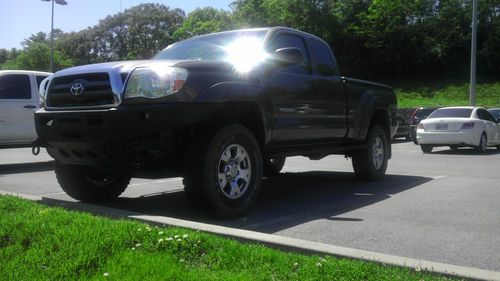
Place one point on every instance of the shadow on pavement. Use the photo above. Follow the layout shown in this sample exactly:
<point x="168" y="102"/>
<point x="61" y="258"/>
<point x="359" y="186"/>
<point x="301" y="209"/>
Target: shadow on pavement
<point x="467" y="151"/>
<point x="286" y="200"/>
<point x="26" y="167"/>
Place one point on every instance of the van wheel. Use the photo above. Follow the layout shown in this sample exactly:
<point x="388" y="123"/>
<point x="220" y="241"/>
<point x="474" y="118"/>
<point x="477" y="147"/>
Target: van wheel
<point x="88" y="185"/>
<point x="371" y="163"/>
<point x="426" y="148"/>
<point x="225" y="172"/>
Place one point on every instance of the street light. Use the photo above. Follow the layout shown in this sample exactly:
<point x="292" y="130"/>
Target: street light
<point x="62" y="3"/>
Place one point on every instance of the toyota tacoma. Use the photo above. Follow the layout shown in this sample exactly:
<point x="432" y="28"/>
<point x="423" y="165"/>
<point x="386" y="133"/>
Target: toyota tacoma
<point x="220" y="110"/>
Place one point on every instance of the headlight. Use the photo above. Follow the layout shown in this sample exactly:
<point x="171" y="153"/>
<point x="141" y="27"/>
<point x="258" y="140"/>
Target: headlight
<point x="42" y="92"/>
<point x="155" y="82"/>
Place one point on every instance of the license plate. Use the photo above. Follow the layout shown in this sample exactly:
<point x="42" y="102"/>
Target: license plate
<point x="443" y="126"/>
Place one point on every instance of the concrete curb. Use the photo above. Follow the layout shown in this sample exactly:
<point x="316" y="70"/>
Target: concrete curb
<point x="284" y="243"/>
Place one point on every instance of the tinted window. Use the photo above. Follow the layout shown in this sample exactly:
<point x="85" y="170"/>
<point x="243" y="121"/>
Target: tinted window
<point x="290" y="40"/>
<point x="451" y="112"/>
<point x="39" y="80"/>
<point x="495" y="113"/>
<point x="484" y="115"/>
<point x="321" y="58"/>
<point x="15" y="86"/>
<point x="424" y="112"/>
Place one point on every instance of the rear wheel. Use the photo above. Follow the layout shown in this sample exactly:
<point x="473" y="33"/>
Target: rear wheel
<point x="89" y="185"/>
<point x="426" y="148"/>
<point x="273" y="166"/>
<point x="371" y="163"/>
<point x="224" y="173"/>
<point x="483" y="144"/>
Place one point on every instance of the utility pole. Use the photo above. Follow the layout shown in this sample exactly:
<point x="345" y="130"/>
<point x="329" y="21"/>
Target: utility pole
<point x="472" y="92"/>
<point x="60" y="2"/>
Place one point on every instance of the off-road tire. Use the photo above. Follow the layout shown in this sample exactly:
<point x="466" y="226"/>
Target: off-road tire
<point x="202" y="175"/>
<point x="426" y="148"/>
<point x="370" y="163"/>
<point x="88" y="185"/>
<point x="273" y="166"/>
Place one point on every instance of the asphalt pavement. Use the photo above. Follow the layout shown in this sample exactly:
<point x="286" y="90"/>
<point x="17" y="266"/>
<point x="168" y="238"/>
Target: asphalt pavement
<point x="442" y="207"/>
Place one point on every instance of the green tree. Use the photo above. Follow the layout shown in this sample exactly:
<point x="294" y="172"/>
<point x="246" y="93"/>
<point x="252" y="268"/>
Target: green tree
<point x="37" y="57"/>
<point x="138" y="32"/>
<point x="202" y="21"/>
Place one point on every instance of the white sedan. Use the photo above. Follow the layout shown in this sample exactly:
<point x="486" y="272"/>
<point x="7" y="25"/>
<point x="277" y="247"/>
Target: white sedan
<point x="457" y="127"/>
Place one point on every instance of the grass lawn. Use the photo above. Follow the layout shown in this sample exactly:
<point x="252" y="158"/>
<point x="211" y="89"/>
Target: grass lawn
<point x="488" y="95"/>
<point x="45" y="243"/>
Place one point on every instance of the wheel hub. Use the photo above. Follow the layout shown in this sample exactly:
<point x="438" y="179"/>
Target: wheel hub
<point x="235" y="171"/>
<point x="378" y="153"/>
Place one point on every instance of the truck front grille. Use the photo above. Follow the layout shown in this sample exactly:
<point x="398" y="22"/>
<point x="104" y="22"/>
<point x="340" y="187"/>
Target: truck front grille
<point x="80" y="90"/>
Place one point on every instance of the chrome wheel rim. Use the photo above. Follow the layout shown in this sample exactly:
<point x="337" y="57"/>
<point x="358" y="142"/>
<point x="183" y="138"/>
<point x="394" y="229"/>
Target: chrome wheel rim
<point x="378" y="153"/>
<point x="234" y="171"/>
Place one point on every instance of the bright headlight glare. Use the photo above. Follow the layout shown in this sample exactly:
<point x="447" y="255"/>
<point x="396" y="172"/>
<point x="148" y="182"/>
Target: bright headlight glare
<point x="155" y="82"/>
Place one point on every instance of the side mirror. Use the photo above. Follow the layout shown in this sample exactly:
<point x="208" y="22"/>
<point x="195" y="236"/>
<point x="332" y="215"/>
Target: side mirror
<point x="288" y="56"/>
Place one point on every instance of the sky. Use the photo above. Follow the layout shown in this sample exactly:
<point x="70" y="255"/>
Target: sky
<point x="21" y="18"/>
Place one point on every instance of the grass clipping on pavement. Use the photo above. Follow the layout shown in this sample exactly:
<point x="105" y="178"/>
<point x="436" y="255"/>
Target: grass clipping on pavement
<point x="46" y="243"/>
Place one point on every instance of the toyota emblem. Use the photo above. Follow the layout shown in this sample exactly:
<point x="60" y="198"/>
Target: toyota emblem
<point x="76" y="89"/>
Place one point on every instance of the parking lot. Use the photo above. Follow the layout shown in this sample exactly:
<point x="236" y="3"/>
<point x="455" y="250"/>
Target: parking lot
<point x="443" y="206"/>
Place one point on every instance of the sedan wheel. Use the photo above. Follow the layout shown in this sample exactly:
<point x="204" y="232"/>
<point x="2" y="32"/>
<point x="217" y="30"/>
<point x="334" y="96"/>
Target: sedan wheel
<point x="483" y="144"/>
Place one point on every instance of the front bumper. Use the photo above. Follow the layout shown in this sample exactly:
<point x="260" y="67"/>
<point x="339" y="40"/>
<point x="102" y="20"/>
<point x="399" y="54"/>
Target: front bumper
<point x="119" y="137"/>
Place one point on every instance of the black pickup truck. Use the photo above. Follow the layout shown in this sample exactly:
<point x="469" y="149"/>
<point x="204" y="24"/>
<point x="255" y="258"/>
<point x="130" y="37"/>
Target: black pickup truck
<point x="220" y="110"/>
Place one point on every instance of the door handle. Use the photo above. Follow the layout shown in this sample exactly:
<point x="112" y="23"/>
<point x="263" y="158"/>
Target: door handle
<point x="29" y="106"/>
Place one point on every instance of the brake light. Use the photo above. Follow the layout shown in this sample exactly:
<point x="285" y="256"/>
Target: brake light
<point x="468" y="125"/>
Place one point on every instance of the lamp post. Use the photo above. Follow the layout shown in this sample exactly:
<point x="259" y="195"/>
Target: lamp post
<point x="62" y="3"/>
<point x="472" y="91"/>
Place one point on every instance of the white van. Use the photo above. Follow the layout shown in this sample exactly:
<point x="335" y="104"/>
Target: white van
<point x="18" y="101"/>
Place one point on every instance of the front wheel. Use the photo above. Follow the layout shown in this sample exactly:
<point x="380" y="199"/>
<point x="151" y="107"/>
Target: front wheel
<point x="88" y="185"/>
<point x="371" y="163"/>
<point x="483" y="144"/>
<point x="225" y="172"/>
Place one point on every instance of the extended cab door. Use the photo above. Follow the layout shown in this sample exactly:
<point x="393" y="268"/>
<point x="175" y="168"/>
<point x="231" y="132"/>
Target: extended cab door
<point x="328" y="89"/>
<point x="305" y="111"/>
<point x="18" y="101"/>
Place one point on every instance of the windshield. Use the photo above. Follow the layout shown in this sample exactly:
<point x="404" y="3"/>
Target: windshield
<point x="215" y="46"/>
<point x="451" y="112"/>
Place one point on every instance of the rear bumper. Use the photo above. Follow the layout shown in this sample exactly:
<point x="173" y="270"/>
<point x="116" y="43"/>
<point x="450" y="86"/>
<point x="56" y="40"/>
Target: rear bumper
<point x="446" y="138"/>
<point x="123" y="137"/>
